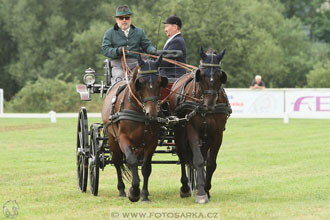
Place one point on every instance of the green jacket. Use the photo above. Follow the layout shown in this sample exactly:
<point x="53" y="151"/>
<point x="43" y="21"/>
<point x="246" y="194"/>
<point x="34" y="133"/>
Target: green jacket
<point x="136" y="41"/>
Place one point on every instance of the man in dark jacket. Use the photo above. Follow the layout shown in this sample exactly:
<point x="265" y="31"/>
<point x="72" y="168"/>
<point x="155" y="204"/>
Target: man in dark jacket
<point x="175" y="41"/>
<point x="124" y="35"/>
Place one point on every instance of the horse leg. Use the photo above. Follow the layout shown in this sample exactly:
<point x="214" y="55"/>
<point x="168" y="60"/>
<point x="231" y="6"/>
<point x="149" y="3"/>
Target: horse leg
<point x="117" y="159"/>
<point x="198" y="162"/>
<point x="146" y="171"/>
<point x="132" y="162"/>
<point x="120" y="185"/>
<point x="185" y="189"/>
<point x="181" y="150"/>
<point x="211" y="165"/>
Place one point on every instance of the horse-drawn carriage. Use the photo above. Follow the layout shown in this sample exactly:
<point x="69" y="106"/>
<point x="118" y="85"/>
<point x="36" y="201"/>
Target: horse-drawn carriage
<point x="143" y="115"/>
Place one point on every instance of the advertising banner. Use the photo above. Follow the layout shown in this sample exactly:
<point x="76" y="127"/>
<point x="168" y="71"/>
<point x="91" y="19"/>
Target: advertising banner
<point x="308" y="103"/>
<point x="256" y="103"/>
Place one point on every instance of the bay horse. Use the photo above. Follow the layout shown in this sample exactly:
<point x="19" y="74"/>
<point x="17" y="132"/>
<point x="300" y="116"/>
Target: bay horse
<point x="200" y="96"/>
<point x="132" y="125"/>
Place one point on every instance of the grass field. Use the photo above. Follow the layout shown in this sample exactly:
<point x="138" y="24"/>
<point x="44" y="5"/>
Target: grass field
<point x="266" y="170"/>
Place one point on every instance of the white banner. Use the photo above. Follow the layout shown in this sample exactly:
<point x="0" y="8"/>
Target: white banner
<point x="308" y="103"/>
<point x="256" y="103"/>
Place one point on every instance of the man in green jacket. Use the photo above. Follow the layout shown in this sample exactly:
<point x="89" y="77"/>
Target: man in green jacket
<point x="124" y="35"/>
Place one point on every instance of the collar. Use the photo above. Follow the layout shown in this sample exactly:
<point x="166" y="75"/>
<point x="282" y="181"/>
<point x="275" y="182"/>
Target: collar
<point x="173" y="36"/>
<point x="168" y="40"/>
<point x="127" y="29"/>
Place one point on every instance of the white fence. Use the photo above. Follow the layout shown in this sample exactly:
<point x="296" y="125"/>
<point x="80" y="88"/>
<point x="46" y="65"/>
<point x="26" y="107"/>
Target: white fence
<point x="247" y="103"/>
<point x="280" y="103"/>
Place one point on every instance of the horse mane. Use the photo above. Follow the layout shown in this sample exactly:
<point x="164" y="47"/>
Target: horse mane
<point x="136" y="70"/>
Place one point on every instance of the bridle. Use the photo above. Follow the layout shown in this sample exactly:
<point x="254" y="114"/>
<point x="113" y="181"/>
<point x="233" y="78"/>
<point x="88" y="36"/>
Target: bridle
<point x="213" y="67"/>
<point x="149" y="98"/>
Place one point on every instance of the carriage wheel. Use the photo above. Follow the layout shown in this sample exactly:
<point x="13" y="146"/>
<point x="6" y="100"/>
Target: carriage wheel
<point x="192" y="176"/>
<point x="82" y="149"/>
<point x="94" y="160"/>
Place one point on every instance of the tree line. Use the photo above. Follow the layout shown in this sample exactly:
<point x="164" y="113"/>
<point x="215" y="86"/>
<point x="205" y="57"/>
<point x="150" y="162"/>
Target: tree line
<point x="285" y="41"/>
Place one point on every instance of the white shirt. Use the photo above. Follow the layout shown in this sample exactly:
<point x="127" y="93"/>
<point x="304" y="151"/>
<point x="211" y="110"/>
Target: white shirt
<point x="126" y="31"/>
<point x="168" y="40"/>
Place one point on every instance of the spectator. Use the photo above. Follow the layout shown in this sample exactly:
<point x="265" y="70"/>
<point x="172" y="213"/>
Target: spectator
<point x="257" y="83"/>
<point x="124" y="35"/>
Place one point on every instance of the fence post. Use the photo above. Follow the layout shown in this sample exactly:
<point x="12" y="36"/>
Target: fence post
<point x="52" y="115"/>
<point x="286" y="118"/>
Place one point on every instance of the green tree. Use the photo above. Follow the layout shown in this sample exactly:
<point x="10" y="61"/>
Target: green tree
<point x="319" y="77"/>
<point x="8" y="50"/>
<point x="314" y="14"/>
<point x="59" y="96"/>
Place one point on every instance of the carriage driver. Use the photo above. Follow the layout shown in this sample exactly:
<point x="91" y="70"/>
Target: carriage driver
<point x="124" y="35"/>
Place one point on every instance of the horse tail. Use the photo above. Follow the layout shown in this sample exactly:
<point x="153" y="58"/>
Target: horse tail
<point x="126" y="172"/>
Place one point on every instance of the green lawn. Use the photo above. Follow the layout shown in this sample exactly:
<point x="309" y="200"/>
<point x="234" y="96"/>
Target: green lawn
<point x="266" y="170"/>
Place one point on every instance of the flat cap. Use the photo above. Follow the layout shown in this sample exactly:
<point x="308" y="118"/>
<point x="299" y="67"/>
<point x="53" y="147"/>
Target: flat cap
<point x="173" y="19"/>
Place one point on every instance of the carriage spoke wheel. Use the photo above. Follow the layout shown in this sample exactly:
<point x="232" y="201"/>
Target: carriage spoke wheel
<point x="82" y="150"/>
<point x="94" y="160"/>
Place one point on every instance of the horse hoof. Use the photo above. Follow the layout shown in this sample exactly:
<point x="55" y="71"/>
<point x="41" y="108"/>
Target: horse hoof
<point x="185" y="194"/>
<point x="201" y="199"/>
<point x="131" y="197"/>
<point x="122" y="194"/>
<point x="146" y="200"/>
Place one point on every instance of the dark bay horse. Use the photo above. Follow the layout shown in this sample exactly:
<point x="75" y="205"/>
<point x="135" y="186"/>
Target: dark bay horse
<point x="199" y="95"/>
<point x="132" y="125"/>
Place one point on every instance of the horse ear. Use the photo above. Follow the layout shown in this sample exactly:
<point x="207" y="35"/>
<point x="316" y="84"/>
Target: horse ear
<point x="202" y="54"/>
<point x="164" y="82"/>
<point x="136" y="70"/>
<point x="159" y="60"/>
<point x="137" y="84"/>
<point x="198" y="75"/>
<point x="221" y="54"/>
<point x="223" y="78"/>
<point x="140" y="61"/>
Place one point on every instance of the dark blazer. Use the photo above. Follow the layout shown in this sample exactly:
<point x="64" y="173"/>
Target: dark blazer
<point x="171" y="70"/>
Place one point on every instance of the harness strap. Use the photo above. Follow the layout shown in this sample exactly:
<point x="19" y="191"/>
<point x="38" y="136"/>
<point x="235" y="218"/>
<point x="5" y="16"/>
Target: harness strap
<point x="209" y="65"/>
<point x="220" y="108"/>
<point x="211" y="92"/>
<point x="150" y="98"/>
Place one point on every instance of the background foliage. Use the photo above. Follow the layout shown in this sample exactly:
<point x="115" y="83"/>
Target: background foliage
<point x="284" y="41"/>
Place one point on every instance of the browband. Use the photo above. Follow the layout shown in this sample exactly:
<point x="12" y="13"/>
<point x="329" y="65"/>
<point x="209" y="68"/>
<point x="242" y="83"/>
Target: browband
<point x="148" y="71"/>
<point x="209" y="65"/>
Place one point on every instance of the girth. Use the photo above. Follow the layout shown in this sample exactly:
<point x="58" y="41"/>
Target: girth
<point x="127" y="114"/>
<point x="220" y="108"/>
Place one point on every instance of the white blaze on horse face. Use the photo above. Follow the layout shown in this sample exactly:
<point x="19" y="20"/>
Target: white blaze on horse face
<point x="151" y="109"/>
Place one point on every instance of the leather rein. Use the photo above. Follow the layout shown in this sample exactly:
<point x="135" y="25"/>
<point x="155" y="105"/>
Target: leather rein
<point x="180" y="64"/>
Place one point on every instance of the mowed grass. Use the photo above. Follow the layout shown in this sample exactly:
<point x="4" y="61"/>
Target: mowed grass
<point x="266" y="170"/>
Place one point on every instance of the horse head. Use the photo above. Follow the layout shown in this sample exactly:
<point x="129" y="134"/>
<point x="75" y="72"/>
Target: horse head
<point x="210" y="77"/>
<point x="148" y="84"/>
